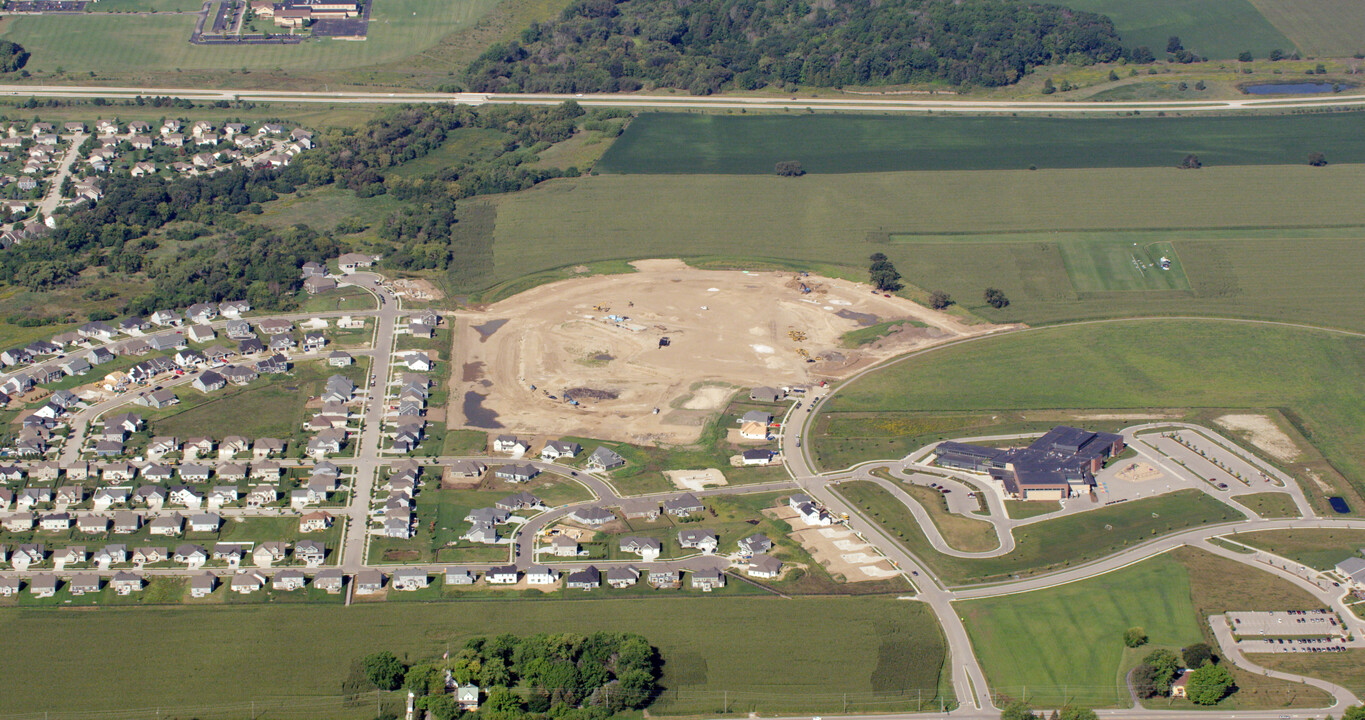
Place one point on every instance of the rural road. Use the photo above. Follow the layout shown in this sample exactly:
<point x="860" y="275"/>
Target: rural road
<point x="687" y="102"/>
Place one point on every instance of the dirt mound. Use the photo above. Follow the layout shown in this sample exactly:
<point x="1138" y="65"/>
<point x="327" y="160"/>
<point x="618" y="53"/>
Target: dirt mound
<point x="586" y="393"/>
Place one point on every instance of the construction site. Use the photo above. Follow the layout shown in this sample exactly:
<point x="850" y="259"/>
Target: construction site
<point x="649" y="356"/>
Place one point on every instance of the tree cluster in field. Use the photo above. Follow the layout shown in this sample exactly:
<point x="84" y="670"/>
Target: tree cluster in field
<point x="883" y="274"/>
<point x="559" y="676"/>
<point x="704" y="46"/>
<point x="13" y="56"/>
<point x="1208" y="682"/>
<point x="1020" y="710"/>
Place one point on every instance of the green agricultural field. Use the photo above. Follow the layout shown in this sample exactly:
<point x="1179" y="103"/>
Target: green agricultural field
<point x="103" y="41"/>
<point x="1065" y="644"/>
<point x="1049" y="544"/>
<point x="891" y="653"/>
<point x="1243" y="255"/>
<point x="1217" y="29"/>
<point x="1131" y="365"/>
<point x="666" y="143"/>
<point x="1321" y="549"/>
<point x="1331" y="28"/>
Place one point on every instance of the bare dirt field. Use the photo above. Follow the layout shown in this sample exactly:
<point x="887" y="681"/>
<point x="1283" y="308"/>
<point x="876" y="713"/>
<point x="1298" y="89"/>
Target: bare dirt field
<point x="696" y="479"/>
<point x="1263" y="433"/>
<point x="598" y="340"/>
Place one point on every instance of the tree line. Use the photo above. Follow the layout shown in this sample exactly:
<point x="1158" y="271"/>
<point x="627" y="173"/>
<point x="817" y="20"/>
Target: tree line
<point x="704" y="46"/>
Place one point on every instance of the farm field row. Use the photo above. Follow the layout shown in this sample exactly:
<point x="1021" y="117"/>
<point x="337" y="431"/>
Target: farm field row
<point x="1272" y="242"/>
<point x="1065" y="644"/>
<point x="1145" y="365"/>
<point x="669" y="143"/>
<point x="891" y="652"/>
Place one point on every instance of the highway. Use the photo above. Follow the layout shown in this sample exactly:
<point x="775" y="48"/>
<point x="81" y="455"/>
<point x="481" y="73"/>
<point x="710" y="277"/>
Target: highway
<point x="842" y="103"/>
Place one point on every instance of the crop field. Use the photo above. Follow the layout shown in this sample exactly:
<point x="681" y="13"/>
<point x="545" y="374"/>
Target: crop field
<point x="891" y="652"/>
<point x="1331" y="28"/>
<point x="1144" y="364"/>
<point x="1049" y="544"/>
<point x="667" y="143"/>
<point x="1066" y="643"/>
<point x="1295" y="257"/>
<point x="103" y="41"/>
<point x="1217" y="29"/>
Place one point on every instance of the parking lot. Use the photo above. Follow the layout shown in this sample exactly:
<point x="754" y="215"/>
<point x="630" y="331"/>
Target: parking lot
<point x="1283" y="624"/>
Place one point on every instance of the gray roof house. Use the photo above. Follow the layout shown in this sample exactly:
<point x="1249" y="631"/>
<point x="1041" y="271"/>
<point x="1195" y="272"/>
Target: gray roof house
<point x="605" y="459"/>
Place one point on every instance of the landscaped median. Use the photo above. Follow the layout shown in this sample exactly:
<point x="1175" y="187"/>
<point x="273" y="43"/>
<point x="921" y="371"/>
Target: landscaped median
<point x="1047" y="545"/>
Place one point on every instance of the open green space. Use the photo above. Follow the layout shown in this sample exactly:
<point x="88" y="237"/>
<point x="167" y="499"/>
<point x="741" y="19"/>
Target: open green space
<point x="1346" y="669"/>
<point x="877" y="331"/>
<point x="1321" y="549"/>
<point x="1216" y="29"/>
<point x="145" y="6"/>
<point x="1144" y="364"/>
<point x="1269" y="505"/>
<point x="1048" y="544"/>
<point x="271" y="406"/>
<point x="1331" y="28"/>
<point x="1108" y="265"/>
<point x="1022" y="509"/>
<point x="1065" y="644"/>
<point x="891" y="652"/>
<point x="665" y="143"/>
<point x="962" y="533"/>
<point x="103" y="41"/>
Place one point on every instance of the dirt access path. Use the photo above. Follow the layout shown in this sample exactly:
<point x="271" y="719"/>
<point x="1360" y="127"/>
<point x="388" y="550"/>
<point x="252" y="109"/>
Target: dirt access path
<point x="598" y="340"/>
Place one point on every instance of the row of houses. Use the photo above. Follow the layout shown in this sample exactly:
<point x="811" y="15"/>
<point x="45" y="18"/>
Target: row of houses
<point x="393" y="514"/>
<point x="233" y="143"/>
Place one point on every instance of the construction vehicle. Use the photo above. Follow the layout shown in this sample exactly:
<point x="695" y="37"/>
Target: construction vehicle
<point x="805" y="289"/>
<point x="796" y="335"/>
<point x="804" y="355"/>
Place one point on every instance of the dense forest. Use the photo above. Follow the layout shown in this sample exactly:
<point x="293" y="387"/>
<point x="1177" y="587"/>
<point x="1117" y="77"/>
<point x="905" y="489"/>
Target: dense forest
<point x="194" y="239"/>
<point x="705" y="45"/>
<point x="560" y="676"/>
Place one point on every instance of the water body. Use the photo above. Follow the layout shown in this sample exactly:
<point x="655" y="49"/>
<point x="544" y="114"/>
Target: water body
<point x="488" y="328"/>
<point x="1304" y="88"/>
<point x="1339" y="504"/>
<point x="476" y="415"/>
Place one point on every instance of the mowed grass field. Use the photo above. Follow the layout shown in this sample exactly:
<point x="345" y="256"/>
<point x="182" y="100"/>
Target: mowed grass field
<point x="1313" y="377"/>
<point x="1269" y="242"/>
<point x="1216" y="29"/>
<point x="104" y="42"/>
<point x="1065" y="644"/>
<point x="1330" y="28"/>
<point x="740" y="144"/>
<point x="300" y="655"/>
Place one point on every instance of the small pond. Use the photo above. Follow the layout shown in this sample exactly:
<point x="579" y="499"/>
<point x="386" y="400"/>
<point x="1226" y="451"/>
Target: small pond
<point x="1303" y="88"/>
<point x="1339" y="505"/>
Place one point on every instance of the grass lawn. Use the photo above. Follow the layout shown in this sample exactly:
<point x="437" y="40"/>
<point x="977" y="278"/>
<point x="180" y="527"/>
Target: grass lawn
<point x="1065" y="644"/>
<point x="665" y="143"/>
<point x="1346" y="669"/>
<point x="1321" y="549"/>
<point x="1269" y="504"/>
<point x="465" y="442"/>
<point x="1136" y="365"/>
<point x="102" y="41"/>
<point x="890" y="651"/>
<point x="1216" y="29"/>
<point x="873" y="333"/>
<point x="1046" y="545"/>
<point x="1021" y="509"/>
<point x="959" y="532"/>
<point x="346" y="298"/>
<point x="461" y="145"/>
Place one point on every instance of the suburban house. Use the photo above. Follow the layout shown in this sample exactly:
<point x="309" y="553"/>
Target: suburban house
<point x="502" y="575"/>
<point x="592" y="516"/>
<point x="541" y="575"/>
<point x="665" y="578"/>
<point x="684" y="505"/>
<point x="764" y="393"/>
<point x="315" y="522"/>
<point x="704" y="540"/>
<point x="516" y="473"/>
<point x="708" y="579"/>
<point x="565" y="546"/>
<point x="125" y="583"/>
<point x="556" y="449"/>
<point x="369" y="582"/>
<point x="459" y="576"/>
<point x="350" y="262"/>
<point x="622" y="577"/>
<point x="288" y="580"/>
<point x="510" y="444"/>
<point x="765" y="566"/>
<point x="755" y="544"/>
<point x="646" y="547"/>
<point x="757" y="457"/>
<point x="604" y="459"/>
<point x="586" y="579"/>
<point x="519" y="501"/>
<point x="409" y="579"/>
<point x="329" y="581"/>
<point x="640" y="509"/>
<point x="247" y="582"/>
<point x="203" y="585"/>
